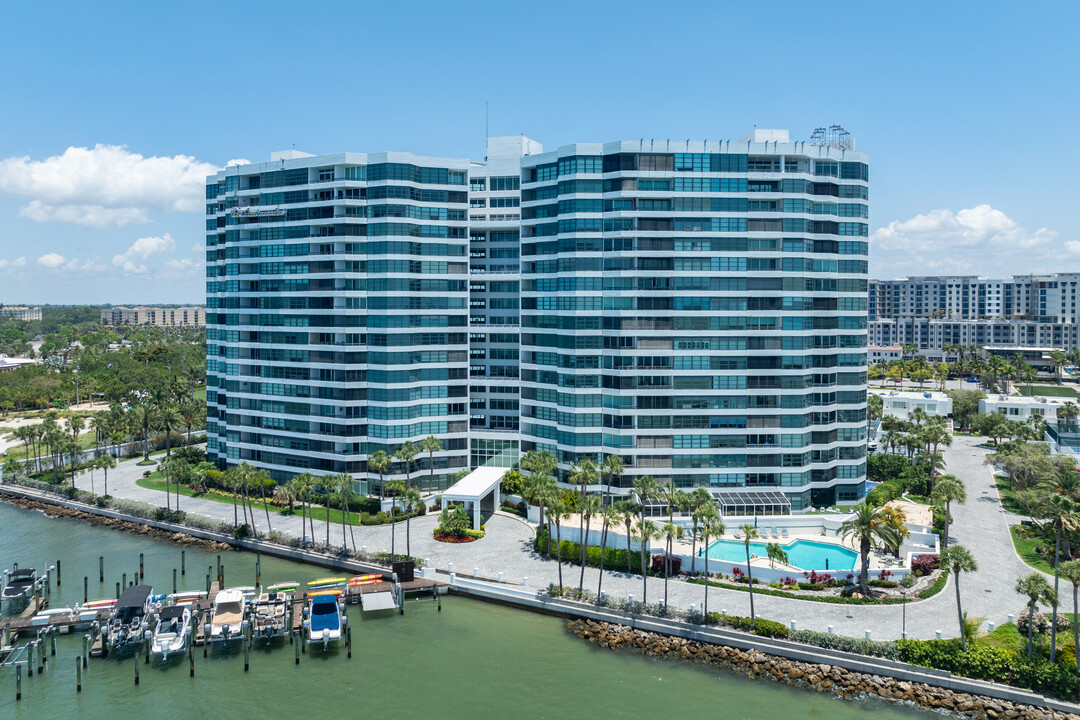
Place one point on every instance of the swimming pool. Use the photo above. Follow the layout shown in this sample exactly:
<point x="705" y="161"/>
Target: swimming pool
<point x="804" y="554"/>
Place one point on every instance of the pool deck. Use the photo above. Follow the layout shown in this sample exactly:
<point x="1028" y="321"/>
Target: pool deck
<point x="878" y="561"/>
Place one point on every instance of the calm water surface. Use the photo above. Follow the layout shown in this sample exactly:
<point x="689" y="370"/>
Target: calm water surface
<point x="472" y="660"/>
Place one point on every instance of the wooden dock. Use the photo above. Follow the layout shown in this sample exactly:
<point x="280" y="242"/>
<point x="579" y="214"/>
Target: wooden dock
<point x="201" y="613"/>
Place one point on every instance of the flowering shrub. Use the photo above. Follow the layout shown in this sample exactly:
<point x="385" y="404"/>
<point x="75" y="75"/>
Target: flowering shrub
<point x="885" y="575"/>
<point x="1042" y="622"/>
<point x="924" y="564"/>
<point x="737" y="573"/>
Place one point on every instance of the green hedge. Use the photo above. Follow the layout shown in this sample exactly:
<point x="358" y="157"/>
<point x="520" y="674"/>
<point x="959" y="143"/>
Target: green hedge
<point x="765" y="628"/>
<point x="614" y="558"/>
<point x="780" y="593"/>
<point x="986" y="662"/>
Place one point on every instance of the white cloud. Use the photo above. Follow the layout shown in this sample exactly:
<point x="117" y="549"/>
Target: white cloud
<point x="141" y="249"/>
<point x="52" y="260"/>
<point x="238" y="161"/>
<point x="56" y="261"/>
<point x="91" y="215"/>
<point x="105" y="185"/>
<point x="973" y="241"/>
<point x="6" y="264"/>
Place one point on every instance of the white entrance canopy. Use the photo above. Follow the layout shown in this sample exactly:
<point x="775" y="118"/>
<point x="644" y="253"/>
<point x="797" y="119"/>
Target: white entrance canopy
<point x="476" y="486"/>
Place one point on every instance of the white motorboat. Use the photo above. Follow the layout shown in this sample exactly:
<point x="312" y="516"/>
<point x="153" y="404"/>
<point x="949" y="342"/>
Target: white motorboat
<point x="325" y="622"/>
<point x="227" y="619"/>
<point x="172" y="633"/>
<point x="269" y="615"/>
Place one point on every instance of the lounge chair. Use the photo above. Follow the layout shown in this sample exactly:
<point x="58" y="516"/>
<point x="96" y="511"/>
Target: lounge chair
<point x="737" y="536"/>
<point x="784" y="532"/>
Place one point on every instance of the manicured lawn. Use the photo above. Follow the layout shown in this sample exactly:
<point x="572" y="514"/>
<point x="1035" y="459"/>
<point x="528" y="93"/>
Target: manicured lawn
<point x="1049" y="390"/>
<point x="86" y="440"/>
<point x="1008" y="497"/>
<point x="1025" y="548"/>
<point x="156" y="481"/>
<point x="200" y="394"/>
<point x="1005" y="636"/>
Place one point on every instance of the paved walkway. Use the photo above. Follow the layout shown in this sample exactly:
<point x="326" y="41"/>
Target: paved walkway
<point x="979" y="525"/>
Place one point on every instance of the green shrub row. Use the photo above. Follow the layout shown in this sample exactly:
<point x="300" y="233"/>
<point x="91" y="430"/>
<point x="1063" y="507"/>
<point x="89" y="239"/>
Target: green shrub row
<point x="614" y="558"/>
<point x="937" y="587"/>
<point x="780" y="593"/>
<point x="765" y="628"/>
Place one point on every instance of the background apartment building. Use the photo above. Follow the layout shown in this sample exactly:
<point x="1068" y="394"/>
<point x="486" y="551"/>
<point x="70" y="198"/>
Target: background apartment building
<point x="156" y="316"/>
<point x="1035" y="311"/>
<point x="700" y="310"/>
<point x="20" y="312"/>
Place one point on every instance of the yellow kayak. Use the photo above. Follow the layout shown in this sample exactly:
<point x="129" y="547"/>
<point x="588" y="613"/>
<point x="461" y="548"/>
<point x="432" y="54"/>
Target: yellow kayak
<point x="327" y="581"/>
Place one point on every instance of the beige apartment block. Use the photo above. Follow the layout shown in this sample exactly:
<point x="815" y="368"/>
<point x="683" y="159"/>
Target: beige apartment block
<point x="159" y="317"/>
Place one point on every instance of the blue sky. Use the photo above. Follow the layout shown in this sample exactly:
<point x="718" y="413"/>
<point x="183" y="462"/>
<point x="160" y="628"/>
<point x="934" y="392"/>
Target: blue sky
<point x="111" y="113"/>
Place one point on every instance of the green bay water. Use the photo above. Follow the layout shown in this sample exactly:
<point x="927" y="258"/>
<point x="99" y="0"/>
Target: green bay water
<point x="472" y="660"/>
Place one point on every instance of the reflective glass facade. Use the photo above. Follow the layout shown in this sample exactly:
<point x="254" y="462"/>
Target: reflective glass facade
<point x="699" y="310"/>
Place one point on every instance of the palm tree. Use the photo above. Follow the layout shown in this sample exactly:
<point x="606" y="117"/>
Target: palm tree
<point x="263" y="477"/>
<point x="431" y="445"/>
<point x="918" y="415"/>
<point x="326" y="482"/>
<point x="712" y="526"/>
<point x="644" y="488"/>
<point x="670" y="532"/>
<point x="1037" y="590"/>
<point x="406" y="453"/>
<point x="232" y="484"/>
<point x="412" y="499"/>
<point x="700" y="499"/>
<point x="646" y="531"/>
<point x="958" y="560"/>
<point x="286" y="493"/>
<point x="557" y="510"/>
<point x="776" y="554"/>
<point x="105" y="462"/>
<point x="1061" y="512"/>
<point x="628" y="512"/>
<point x="398" y="488"/>
<point x="1058" y="360"/>
<point x="935" y="435"/>
<point x="948" y="489"/>
<point x="749" y="533"/>
<point x="583" y="474"/>
<point x="380" y="462"/>
<point x="866" y="525"/>
<point x="613" y="468"/>
<point x="591" y="506"/>
<point x="1071" y="572"/>
<point x="305" y="483"/>
<point x="611" y="516"/>
<point x="343" y="482"/>
<point x="674" y="498"/>
<point x="1068" y="412"/>
<point x="145" y="416"/>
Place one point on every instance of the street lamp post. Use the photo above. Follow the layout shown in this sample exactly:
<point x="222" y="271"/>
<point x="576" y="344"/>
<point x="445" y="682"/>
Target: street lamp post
<point x="903" y="629"/>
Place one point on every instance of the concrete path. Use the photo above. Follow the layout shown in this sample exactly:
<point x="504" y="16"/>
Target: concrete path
<point x="979" y="525"/>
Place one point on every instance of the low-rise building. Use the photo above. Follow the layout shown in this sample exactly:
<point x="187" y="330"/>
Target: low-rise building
<point x="191" y="316"/>
<point x="1022" y="407"/>
<point x="887" y="353"/>
<point x="900" y="404"/>
<point x="20" y="312"/>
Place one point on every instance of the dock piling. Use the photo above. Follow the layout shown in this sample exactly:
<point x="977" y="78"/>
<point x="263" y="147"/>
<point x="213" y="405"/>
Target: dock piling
<point x="208" y="583"/>
<point x="183" y="562"/>
<point x="57" y="573"/>
<point x="258" y="571"/>
<point x="85" y="588"/>
<point x="247" y="650"/>
<point x="221" y="577"/>
<point x="101" y="568"/>
<point x="191" y="654"/>
<point x="174" y="580"/>
<point x="141" y="574"/>
<point x="296" y="649"/>
<point x="18" y="683"/>
<point x="85" y="645"/>
<point x="52" y="645"/>
<point x="137" y="666"/>
<point x="123" y="582"/>
<point x="78" y="675"/>
<point x="118" y="590"/>
<point x="30" y="659"/>
<point x="348" y="640"/>
<point x="40" y="657"/>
